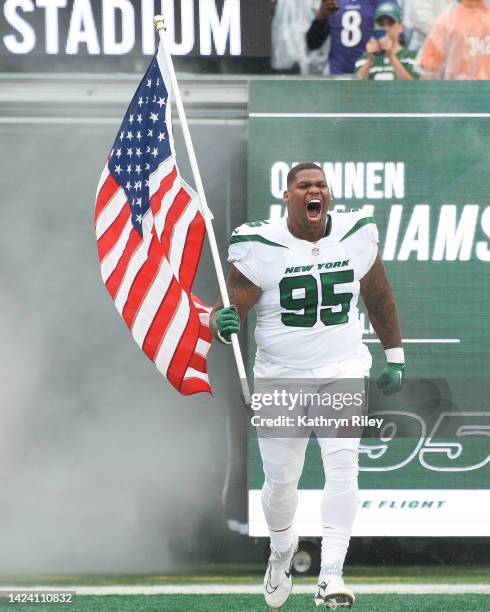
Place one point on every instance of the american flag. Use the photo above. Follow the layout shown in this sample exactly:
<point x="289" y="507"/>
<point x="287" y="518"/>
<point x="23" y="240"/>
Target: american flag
<point x="150" y="233"/>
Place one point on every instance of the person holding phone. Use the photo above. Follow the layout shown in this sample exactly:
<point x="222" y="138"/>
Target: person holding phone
<point x="347" y="25"/>
<point x="386" y="59"/>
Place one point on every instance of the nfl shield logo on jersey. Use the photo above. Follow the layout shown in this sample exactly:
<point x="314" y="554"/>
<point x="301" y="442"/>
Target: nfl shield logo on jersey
<point x="315" y="251"/>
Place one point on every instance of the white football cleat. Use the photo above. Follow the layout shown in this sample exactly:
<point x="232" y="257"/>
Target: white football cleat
<point x="278" y="579"/>
<point x="333" y="593"/>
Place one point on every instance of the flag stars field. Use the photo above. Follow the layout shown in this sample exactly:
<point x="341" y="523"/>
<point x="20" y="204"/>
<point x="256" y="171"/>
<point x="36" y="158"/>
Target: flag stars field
<point x="139" y="108"/>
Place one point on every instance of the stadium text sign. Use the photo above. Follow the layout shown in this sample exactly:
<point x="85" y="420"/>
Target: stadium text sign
<point x="121" y="27"/>
<point x="455" y="227"/>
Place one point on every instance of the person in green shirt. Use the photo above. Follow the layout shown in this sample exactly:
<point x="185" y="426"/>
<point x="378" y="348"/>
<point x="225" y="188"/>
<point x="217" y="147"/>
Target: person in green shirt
<point x="386" y="59"/>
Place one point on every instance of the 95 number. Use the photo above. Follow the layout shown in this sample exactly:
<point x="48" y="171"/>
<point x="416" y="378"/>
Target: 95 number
<point x="457" y="442"/>
<point x="306" y="284"/>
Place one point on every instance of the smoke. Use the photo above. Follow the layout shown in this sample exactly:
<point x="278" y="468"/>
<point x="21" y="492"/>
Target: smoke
<point x="103" y="466"/>
<point x="100" y="461"/>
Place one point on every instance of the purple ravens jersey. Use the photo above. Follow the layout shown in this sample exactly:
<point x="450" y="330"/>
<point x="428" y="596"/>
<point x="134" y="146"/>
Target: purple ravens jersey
<point x="349" y="30"/>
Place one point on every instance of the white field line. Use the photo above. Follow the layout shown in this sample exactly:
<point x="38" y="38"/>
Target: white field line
<point x="253" y="589"/>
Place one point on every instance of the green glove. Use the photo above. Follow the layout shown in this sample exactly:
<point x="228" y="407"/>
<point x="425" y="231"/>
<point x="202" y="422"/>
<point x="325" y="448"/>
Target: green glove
<point x="227" y="323"/>
<point x="392" y="378"/>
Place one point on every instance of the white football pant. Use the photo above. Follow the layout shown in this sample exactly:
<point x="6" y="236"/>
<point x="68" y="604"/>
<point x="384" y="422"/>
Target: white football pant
<point x="283" y="460"/>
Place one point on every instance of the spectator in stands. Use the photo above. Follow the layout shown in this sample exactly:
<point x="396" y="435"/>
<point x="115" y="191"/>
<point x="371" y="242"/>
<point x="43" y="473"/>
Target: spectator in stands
<point x="458" y="44"/>
<point x="349" y="24"/>
<point x="290" y="22"/>
<point x="385" y="58"/>
<point x="424" y="13"/>
<point x="407" y="12"/>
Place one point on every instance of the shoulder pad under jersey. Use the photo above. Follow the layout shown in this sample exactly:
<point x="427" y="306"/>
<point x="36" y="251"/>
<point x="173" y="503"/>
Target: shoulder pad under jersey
<point x="347" y="223"/>
<point x="265" y="232"/>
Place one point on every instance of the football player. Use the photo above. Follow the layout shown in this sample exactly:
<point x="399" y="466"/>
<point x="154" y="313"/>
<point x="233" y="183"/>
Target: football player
<point x="308" y="327"/>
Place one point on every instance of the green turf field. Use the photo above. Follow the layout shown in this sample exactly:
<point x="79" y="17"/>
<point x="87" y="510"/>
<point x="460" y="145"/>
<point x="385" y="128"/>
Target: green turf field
<point x="250" y="576"/>
<point x="250" y="603"/>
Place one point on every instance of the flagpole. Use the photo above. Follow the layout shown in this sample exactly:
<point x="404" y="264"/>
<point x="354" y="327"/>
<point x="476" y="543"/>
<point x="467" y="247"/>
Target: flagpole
<point x="206" y="212"/>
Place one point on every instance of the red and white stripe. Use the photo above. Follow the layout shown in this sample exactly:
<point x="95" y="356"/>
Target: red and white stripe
<point x="150" y="277"/>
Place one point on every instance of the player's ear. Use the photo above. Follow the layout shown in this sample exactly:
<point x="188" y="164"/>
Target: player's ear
<point x="285" y="196"/>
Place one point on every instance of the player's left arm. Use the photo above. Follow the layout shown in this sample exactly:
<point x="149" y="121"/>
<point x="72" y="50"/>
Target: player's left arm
<point x="379" y="298"/>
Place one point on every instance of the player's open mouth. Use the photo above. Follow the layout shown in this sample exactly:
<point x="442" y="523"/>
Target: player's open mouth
<point x="314" y="209"/>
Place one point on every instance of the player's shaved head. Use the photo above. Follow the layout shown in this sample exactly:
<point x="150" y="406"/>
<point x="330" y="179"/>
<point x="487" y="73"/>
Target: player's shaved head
<point x="304" y="166"/>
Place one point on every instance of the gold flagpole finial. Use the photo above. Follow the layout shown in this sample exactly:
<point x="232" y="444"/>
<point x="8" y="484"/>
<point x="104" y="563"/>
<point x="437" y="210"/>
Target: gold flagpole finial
<point x="159" y="23"/>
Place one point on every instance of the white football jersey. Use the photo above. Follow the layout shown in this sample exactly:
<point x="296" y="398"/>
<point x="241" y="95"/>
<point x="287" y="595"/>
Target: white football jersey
<point x="307" y="314"/>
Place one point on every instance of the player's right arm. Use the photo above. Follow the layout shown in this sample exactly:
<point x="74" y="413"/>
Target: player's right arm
<point x="243" y="296"/>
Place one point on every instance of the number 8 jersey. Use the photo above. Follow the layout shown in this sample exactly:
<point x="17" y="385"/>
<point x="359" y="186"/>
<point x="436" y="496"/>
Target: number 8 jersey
<point x="307" y="314"/>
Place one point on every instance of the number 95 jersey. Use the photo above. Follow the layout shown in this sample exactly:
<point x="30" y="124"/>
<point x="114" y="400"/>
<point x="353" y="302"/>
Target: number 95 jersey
<point x="307" y="314"/>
